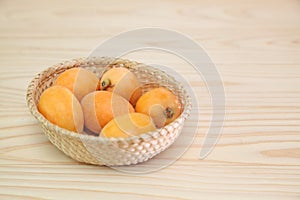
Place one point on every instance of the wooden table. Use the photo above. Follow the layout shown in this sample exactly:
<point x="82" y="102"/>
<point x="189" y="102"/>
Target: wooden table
<point x="256" y="48"/>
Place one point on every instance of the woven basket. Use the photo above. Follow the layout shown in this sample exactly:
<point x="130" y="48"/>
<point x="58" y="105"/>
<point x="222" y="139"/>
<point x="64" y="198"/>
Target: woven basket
<point x="109" y="151"/>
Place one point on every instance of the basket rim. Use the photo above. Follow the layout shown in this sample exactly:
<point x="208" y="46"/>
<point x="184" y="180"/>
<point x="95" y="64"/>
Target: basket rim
<point x="145" y="136"/>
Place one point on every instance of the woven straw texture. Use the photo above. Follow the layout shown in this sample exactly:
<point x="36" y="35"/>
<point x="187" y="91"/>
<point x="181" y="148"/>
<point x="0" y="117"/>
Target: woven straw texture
<point x="109" y="151"/>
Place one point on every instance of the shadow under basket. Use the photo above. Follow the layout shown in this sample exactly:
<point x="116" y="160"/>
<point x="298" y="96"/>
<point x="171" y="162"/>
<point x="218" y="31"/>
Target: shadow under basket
<point x="110" y="151"/>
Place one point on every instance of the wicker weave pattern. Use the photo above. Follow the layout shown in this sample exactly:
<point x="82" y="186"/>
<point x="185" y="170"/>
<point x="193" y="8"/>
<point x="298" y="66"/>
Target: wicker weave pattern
<point x="115" y="151"/>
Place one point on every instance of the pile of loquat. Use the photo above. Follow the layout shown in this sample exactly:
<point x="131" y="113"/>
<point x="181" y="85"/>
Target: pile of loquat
<point x="112" y="105"/>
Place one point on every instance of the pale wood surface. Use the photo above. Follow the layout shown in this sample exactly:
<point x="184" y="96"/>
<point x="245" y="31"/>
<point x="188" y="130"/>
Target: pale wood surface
<point x="256" y="47"/>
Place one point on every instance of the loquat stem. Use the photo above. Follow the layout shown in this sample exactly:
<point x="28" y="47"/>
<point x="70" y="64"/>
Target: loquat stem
<point x="169" y="112"/>
<point x="105" y="84"/>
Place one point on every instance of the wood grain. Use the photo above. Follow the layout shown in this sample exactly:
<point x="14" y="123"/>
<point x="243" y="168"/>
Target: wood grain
<point x="255" y="46"/>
